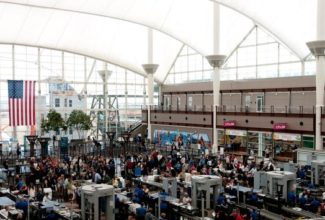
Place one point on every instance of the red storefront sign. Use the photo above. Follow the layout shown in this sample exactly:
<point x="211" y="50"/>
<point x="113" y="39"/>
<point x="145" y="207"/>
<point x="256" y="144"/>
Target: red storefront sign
<point x="280" y="126"/>
<point x="229" y="123"/>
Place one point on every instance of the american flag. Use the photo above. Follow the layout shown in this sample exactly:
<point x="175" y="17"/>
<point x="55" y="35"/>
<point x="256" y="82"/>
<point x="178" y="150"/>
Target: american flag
<point x="21" y="102"/>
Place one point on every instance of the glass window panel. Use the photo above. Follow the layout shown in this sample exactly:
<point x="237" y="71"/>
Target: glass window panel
<point x="291" y="69"/>
<point x="247" y="73"/>
<point x="181" y="64"/>
<point x="267" y="53"/>
<point x="207" y="75"/>
<point x="178" y="78"/>
<point x="310" y="68"/>
<point x="195" y="76"/>
<point x="267" y="71"/>
<point x="246" y="56"/>
<point x="286" y="55"/>
<point x="170" y="79"/>
<point x="184" y="77"/>
<point x="228" y="74"/>
<point x="194" y="62"/>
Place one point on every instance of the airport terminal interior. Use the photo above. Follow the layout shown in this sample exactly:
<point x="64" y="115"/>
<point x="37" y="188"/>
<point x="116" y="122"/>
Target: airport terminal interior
<point x="162" y="109"/>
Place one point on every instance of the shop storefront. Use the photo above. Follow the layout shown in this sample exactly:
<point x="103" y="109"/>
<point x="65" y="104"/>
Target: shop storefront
<point x="259" y="143"/>
<point x="233" y="140"/>
<point x="286" y="145"/>
<point x="277" y="144"/>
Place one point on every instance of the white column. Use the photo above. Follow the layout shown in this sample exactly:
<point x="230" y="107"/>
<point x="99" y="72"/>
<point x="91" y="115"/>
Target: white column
<point x="150" y="69"/>
<point x="150" y="89"/>
<point x="150" y="80"/>
<point x="216" y="74"/>
<point x="320" y="71"/>
<point x="150" y="102"/>
<point x="320" y="20"/>
<point x="144" y="92"/>
<point x="260" y="144"/>
<point x="216" y="103"/>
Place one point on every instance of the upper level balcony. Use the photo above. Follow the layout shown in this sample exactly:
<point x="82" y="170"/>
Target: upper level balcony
<point x="301" y="110"/>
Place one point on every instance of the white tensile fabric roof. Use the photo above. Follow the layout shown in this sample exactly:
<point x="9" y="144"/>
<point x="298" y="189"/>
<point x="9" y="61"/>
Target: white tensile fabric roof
<point x="116" y="30"/>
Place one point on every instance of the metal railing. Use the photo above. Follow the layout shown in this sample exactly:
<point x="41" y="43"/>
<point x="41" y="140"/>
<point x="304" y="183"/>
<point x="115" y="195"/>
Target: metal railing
<point x="269" y="109"/>
<point x="183" y="108"/>
<point x="135" y="126"/>
<point x="236" y="108"/>
<point x="105" y="148"/>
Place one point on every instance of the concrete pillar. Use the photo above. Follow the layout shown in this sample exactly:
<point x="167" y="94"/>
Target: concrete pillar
<point x="150" y="69"/>
<point x="317" y="48"/>
<point x="216" y="62"/>
<point x="260" y="144"/>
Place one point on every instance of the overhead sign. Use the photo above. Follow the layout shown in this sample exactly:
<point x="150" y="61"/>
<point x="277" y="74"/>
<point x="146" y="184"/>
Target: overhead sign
<point x="287" y="137"/>
<point x="229" y="123"/>
<point x="280" y="126"/>
<point x="236" y="132"/>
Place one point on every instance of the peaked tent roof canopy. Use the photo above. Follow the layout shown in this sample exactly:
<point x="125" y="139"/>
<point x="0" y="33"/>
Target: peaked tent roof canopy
<point x="116" y="30"/>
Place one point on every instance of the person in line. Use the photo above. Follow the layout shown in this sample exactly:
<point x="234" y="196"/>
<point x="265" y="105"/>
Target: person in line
<point x="46" y="198"/>
<point x="186" y="199"/>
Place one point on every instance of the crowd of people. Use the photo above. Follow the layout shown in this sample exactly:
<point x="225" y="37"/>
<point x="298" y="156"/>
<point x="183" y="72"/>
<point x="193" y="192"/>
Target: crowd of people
<point x="65" y="177"/>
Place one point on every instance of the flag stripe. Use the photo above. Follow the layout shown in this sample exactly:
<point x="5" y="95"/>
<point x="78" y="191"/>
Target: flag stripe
<point x="21" y="103"/>
<point x="9" y="112"/>
<point x="34" y="104"/>
<point x="16" y="112"/>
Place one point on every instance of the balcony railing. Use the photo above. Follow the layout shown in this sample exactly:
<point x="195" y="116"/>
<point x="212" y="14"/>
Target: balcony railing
<point x="172" y="108"/>
<point x="269" y="109"/>
<point x="236" y="109"/>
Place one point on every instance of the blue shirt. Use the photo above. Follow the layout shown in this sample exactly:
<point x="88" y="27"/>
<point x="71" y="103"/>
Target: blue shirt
<point x="163" y="204"/>
<point x="138" y="192"/>
<point x="141" y="212"/>
<point x="315" y="203"/>
<point x="20" y="185"/>
<point x="291" y="197"/>
<point x="22" y="205"/>
<point x="254" y="215"/>
<point x="254" y="197"/>
<point x="302" y="200"/>
<point x="220" y="200"/>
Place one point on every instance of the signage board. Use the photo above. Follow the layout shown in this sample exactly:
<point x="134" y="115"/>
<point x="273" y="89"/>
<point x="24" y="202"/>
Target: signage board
<point x="229" y="123"/>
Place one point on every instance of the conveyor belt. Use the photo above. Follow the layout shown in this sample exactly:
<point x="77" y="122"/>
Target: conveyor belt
<point x="271" y="215"/>
<point x="263" y="212"/>
<point x="301" y="213"/>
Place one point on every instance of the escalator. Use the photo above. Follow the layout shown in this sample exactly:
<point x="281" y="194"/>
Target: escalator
<point x="138" y="128"/>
